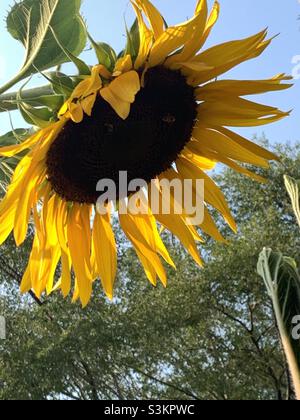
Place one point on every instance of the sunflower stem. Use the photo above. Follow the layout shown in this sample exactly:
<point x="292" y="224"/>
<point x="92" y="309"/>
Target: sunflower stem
<point x="8" y="101"/>
<point x="288" y="350"/>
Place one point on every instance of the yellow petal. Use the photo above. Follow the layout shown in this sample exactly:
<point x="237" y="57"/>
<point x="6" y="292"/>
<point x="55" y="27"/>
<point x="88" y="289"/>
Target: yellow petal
<point x="249" y="145"/>
<point x="172" y="39"/>
<point x="40" y="136"/>
<point x="146" y="39"/>
<point x="148" y="268"/>
<point x="105" y="250"/>
<point x="215" y="91"/>
<point x="80" y="90"/>
<point x="26" y="282"/>
<point x="88" y="103"/>
<point x="126" y="86"/>
<point x="225" y="56"/>
<point x="121" y="92"/>
<point x="79" y="245"/>
<point x="212" y="140"/>
<point x="95" y="80"/>
<point x="202" y="161"/>
<point x="237" y="112"/>
<point x="123" y="65"/>
<point x="76" y="112"/>
<point x="213" y="194"/>
<point x="66" y="280"/>
<point x="122" y="108"/>
<point x="61" y="222"/>
<point x="214" y="15"/>
<point x="30" y="183"/>
<point x="9" y="204"/>
<point x="155" y="19"/>
<point x="176" y="224"/>
<point x="210" y="228"/>
<point x="50" y="273"/>
<point x="76" y="292"/>
<point x="137" y="231"/>
<point x="194" y="43"/>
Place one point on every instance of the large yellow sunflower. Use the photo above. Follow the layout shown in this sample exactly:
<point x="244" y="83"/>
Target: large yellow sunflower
<point x="159" y="113"/>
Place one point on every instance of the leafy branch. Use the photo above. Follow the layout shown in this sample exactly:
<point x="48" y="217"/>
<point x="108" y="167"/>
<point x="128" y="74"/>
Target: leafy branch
<point x="32" y="23"/>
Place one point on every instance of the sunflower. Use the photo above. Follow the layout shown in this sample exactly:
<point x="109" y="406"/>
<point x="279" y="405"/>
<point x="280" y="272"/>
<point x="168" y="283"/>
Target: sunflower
<point x="159" y="112"/>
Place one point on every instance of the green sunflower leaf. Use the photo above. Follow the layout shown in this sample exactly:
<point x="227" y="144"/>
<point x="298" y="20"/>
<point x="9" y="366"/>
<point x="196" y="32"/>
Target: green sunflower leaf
<point x="83" y="69"/>
<point x="293" y="188"/>
<point x="40" y="96"/>
<point x="15" y="136"/>
<point x="39" y="117"/>
<point x="30" y="22"/>
<point x="282" y="280"/>
<point x="52" y="102"/>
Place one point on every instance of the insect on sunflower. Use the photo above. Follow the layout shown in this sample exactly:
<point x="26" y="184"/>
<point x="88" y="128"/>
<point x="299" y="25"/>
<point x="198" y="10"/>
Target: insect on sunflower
<point x="158" y="113"/>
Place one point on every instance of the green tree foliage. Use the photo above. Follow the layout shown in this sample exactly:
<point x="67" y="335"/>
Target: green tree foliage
<point x="210" y="335"/>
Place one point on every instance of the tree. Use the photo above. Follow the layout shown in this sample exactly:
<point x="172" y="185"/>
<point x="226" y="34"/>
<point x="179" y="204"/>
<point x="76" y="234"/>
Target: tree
<point x="210" y="335"/>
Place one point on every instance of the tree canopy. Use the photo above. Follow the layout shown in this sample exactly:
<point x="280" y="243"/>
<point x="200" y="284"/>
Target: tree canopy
<point x="210" y="335"/>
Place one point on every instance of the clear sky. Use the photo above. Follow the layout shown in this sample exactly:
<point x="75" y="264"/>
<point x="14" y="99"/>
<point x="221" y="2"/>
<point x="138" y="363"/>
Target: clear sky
<point x="239" y="18"/>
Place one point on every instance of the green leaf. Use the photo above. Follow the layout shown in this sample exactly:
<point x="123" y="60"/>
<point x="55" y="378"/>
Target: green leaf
<point x="282" y="281"/>
<point x="40" y="117"/>
<point x="8" y="101"/>
<point x="30" y="22"/>
<point x="52" y="102"/>
<point x="83" y="69"/>
<point x="292" y="187"/>
<point x="14" y="137"/>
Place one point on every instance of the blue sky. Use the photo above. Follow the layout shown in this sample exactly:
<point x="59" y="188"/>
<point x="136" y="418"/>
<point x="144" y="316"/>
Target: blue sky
<point x="239" y="18"/>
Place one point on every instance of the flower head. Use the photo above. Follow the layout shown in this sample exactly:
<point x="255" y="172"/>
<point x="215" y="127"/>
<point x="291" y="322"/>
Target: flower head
<point x="159" y="113"/>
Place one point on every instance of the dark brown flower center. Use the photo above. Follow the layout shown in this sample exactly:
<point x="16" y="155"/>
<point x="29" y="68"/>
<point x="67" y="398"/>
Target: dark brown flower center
<point x="147" y="143"/>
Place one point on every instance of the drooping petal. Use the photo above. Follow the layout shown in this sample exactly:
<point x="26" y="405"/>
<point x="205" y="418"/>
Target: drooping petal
<point x="66" y="279"/>
<point x="193" y="44"/>
<point x="105" y="250"/>
<point x="214" y="15"/>
<point x="35" y="177"/>
<point x="172" y="39"/>
<point x="80" y="249"/>
<point x="88" y="103"/>
<point x="202" y="161"/>
<point x="216" y="90"/>
<point x="146" y="39"/>
<point x="247" y="144"/>
<point x="9" y="204"/>
<point x="213" y="194"/>
<point x="224" y="57"/>
<point x="76" y="112"/>
<point x="237" y="112"/>
<point x="213" y="140"/>
<point x="175" y="223"/>
<point x="123" y="65"/>
<point x="155" y="19"/>
<point x="136" y="228"/>
<point x="209" y="226"/>
<point x="121" y="92"/>
<point x="41" y="136"/>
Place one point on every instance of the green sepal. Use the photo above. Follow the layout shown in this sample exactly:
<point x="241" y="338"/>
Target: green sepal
<point x="106" y="55"/>
<point x="133" y="40"/>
